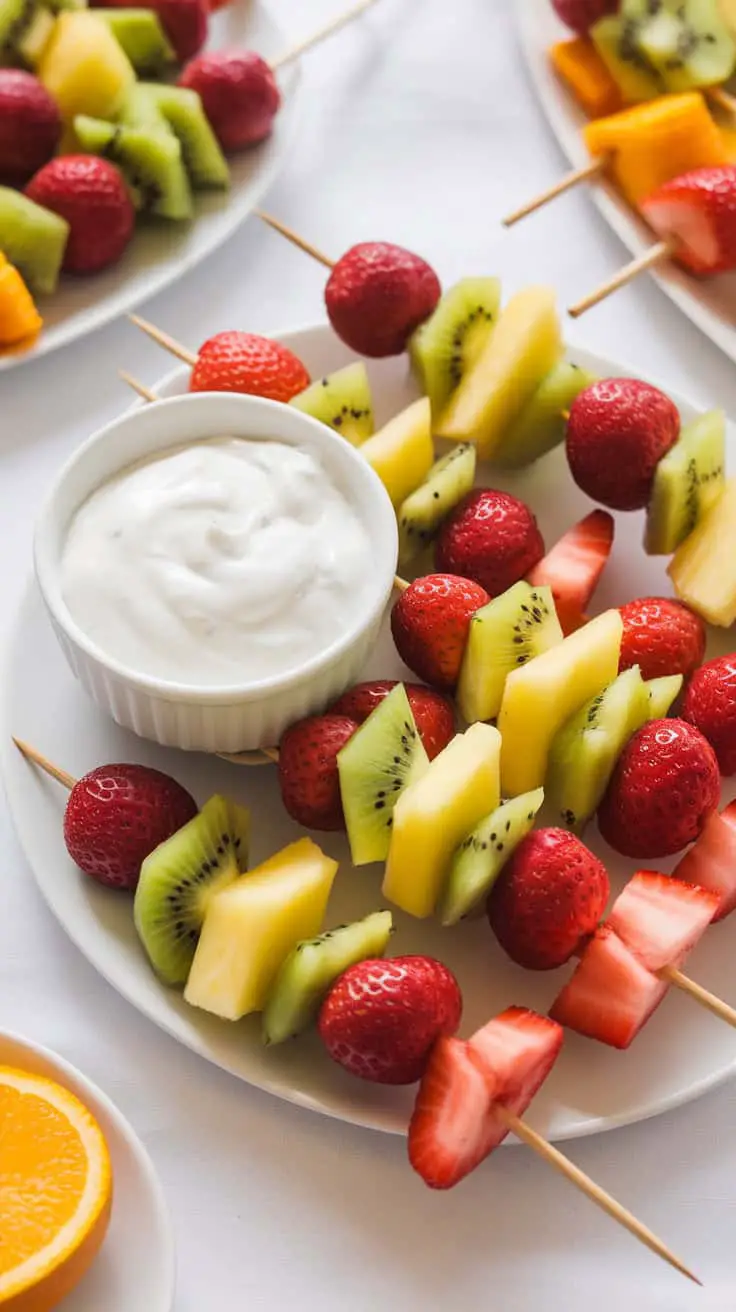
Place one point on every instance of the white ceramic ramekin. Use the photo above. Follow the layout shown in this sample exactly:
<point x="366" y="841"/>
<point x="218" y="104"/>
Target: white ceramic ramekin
<point x="256" y="713"/>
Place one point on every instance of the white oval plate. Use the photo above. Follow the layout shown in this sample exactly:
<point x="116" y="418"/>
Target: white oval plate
<point x="680" y="1054"/>
<point x="162" y="252"/>
<point x="135" y="1268"/>
<point x="709" y="302"/>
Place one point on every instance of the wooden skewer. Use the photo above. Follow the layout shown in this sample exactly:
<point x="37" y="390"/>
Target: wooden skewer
<point x="139" y="387"/>
<point x="321" y="35"/>
<point x="722" y="99"/>
<point x="587" y="173"/>
<point x="294" y="238"/>
<point x="30" y="753"/>
<point x="593" y="1191"/>
<point x="655" y="255"/>
<point x="703" y="996"/>
<point x="169" y="344"/>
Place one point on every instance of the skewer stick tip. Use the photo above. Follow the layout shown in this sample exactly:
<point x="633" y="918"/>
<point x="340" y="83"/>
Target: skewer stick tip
<point x="656" y="254"/>
<point x="30" y="753"/>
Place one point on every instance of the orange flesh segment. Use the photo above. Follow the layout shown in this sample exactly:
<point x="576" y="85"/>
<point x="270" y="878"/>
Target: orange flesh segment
<point x="19" y="317"/>
<point x="583" y="71"/>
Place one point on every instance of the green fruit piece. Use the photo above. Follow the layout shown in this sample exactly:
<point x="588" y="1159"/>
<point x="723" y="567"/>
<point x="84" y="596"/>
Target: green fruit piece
<point x="687" y="43"/>
<point x="662" y="693"/>
<point x="448" y="344"/>
<point x="32" y="42"/>
<point x="541" y="424"/>
<point x="16" y="16"/>
<point x="33" y="239"/>
<point x="60" y="6"/>
<point x="503" y="635"/>
<point x="375" y="766"/>
<point x="149" y="104"/>
<point x="178" y="879"/>
<point x="588" y="746"/>
<point x="615" y="39"/>
<point x="482" y="856"/>
<point x="343" y="401"/>
<point x="149" y="160"/>
<point x="311" y="969"/>
<point x="686" y="483"/>
<point x="142" y="37"/>
<point x="421" y="515"/>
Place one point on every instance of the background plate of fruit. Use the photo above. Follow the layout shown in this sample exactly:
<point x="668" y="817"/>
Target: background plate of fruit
<point x="643" y="94"/>
<point x="523" y="546"/>
<point x="133" y="141"/>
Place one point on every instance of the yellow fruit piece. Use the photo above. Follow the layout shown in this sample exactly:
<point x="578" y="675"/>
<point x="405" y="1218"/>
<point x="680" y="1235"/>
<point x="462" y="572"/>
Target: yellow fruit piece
<point x="251" y="927"/>
<point x="19" y="318"/>
<point x="703" y="569"/>
<point x="650" y="144"/>
<point x="526" y="344"/>
<point x="539" y="697"/>
<point x="402" y="453"/>
<point x="84" y="68"/>
<point x="55" y="1191"/>
<point x="434" y="814"/>
<point x="581" y="68"/>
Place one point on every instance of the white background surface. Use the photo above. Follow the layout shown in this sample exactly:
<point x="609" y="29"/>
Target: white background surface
<point x="420" y="128"/>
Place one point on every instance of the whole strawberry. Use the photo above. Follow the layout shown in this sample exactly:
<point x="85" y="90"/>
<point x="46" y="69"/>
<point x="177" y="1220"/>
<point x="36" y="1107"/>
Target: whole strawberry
<point x="664" y="787"/>
<point x="377" y="294"/>
<point x="117" y="814"/>
<point x="662" y="637"/>
<point x="430" y="623"/>
<point x="184" y="21"/>
<point x="710" y="704"/>
<point x="619" y="429"/>
<point x="308" y="776"/>
<point x="91" y="195"/>
<point x="30" y="126"/>
<point x="580" y="15"/>
<point x="238" y="92"/>
<point x="434" y="714"/>
<point x="696" y="212"/>
<point x="548" y="899"/>
<point x="490" y="537"/>
<point x="245" y="362"/>
<point x="382" y="1018"/>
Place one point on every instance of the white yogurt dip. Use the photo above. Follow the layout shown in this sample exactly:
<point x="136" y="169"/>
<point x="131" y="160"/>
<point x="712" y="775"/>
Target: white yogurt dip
<point x="222" y="562"/>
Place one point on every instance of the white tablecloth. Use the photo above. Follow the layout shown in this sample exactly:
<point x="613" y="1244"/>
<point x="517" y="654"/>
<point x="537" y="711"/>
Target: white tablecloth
<point x="419" y="127"/>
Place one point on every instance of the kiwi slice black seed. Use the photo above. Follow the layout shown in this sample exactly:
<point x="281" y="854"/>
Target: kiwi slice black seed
<point x="149" y="160"/>
<point x="157" y="105"/>
<point x="482" y="856"/>
<point x="343" y="401"/>
<point x="503" y="635"/>
<point x="378" y="762"/>
<point x="615" y="39"/>
<point x="448" y="344"/>
<point x="540" y="426"/>
<point x="686" y="483"/>
<point x="686" y="42"/>
<point x="421" y="516"/>
<point x="178" y="879"/>
<point x="662" y="693"/>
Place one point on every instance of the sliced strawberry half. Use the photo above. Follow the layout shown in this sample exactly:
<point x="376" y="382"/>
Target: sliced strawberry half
<point x="711" y="861"/>
<point x="452" y="1128"/>
<point x="574" y="565"/>
<point x="696" y="212"/>
<point x="660" y="919"/>
<point x="516" y="1052"/>
<point x="611" y="995"/>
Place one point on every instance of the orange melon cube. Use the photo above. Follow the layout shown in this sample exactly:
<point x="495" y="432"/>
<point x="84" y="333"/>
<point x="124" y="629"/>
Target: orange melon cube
<point x="19" y="318"/>
<point x="581" y="68"/>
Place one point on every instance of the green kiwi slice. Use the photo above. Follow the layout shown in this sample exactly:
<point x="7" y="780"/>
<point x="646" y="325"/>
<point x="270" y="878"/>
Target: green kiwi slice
<point x="686" y="483"/>
<point x="685" y="41"/>
<point x="142" y="37"/>
<point x="481" y="857"/>
<point x="178" y="879"/>
<point x="149" y="160"/>
<point x="541" y="424"/>
<point x="448" y="344"/>
<point x="311" y="969"/>
<point x="375" y="766"/>
<point x="343" y="401"/>
<point x="150" y="104"/>
<point x="33" y="239"/>
<point x="586" y="749"/>
<point x="503" y="635"/>
<point x="663" y="692"/>
<point x="16" y="16"/>
<point x="422" y="514"/>
<point x="615" y="39"/>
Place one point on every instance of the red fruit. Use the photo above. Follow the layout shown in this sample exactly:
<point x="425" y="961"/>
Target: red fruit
<point x="611" y="995"/>
<point x="308" y="775"/>
<point x="244" y="362"/>
<point x="574" y="565"/>
<point x="660" y="919"/>
<point x="377" y="294"/>
<point x="697" y="213"/>
<point x="619" y="429"/>
<point x="454" y="1125"/>
<point x="381" y="1019"/>
<point x="664" y="787"/>
<point x="549" y="897"/>
<point x="434" y="714"/>
<point x="430" y="623"/>
<point x="490" y="537"/>
<point x="117" y="814"/>
<point x="711" y="863"/>
<point x="30" y="126"/>
<point x="580" y="15"/>
<point x="661" y="637"/>
<point x="710" y="704"/>
<point x="238" y="92"/>
<point x="91" y="195"/>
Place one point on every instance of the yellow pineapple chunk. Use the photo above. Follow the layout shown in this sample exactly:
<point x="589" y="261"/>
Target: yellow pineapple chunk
<point x="433" y="815"/>
<point x="402" y="453"/>
<point x="526" y="344"/>
<point x="252" y="925"/>
<point x="703" y="569"/>
<point x="84" y="68"/>
<point x="540" y="696"/>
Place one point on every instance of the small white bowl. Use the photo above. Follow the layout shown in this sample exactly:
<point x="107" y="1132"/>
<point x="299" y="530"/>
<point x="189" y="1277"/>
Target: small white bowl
<point x="256" y="712"/>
